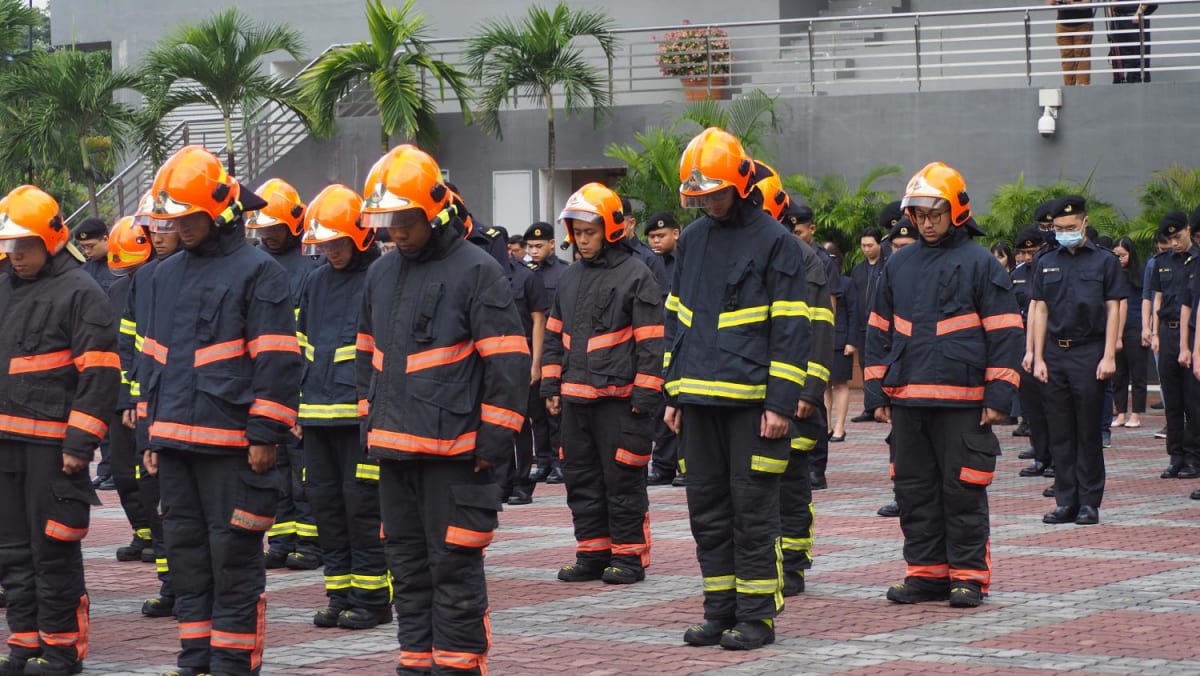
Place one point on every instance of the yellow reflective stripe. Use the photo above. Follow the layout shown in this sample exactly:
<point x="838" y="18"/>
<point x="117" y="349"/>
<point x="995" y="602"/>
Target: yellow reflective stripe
<point x="672" y="304"/>
<point x="297" y="312"/>
<point x="666" y="360"/>
<point x="820" y="314"/>
<point x="797" y="544"/>
<point x="370" y="582"/>
<point x="309" y="352"/>
<point x="129" y="327"/>
<point x="367" y="471"/>
<point x="685" y="316"/>
<point x="719" y="583"/>
<point x="282" y="528"/>
<point x="790" y="308"/>
<point x="682" y="466"/>
<point x="124" y="380"/>
<point x="142" y="533"/>
<point x="160" y="566"/>
<point x="750" y="315"/>
<point x="716" y="388"/>
<point x="306" y="530"/>
<point x="137" y="472"/>
<point x="344" y="353"/>
<point x="803" y="444"/>
<point x="761" y="463"/>
<point x="135" y="388"/>
<point x="328" y="411"/>
<point x="817" y="371"/>
<point x="780" y="369"/>
<point x="767" y="586"/>
<point x="138" y="341"/>
<point x="337" y="581"/>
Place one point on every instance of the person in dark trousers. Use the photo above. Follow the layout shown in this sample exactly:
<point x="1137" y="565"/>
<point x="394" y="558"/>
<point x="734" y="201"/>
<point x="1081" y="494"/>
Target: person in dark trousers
<point x="278" y="227"/>
<point x="1030" y="243"/>
<point x="1168" y="283"/>
<point x="1131" y="361"/>
<point x="943" y="349"/>
<point x="866" y="280"/>
<point x="547" y="437"/>
<point x="1079" y="289"/>
<point x="1129" y="35"/>
<point x="602" y="371"/>
<point x="219" y="395"/>
<point x="59" y="387"/>
<point x="662" y="232"/>
<point x="737" y="333"/>
<point x="442" y="376"/>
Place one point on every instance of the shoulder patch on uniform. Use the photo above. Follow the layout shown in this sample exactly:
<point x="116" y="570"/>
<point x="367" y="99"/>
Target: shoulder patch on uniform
<point x="531" y="265"/>
<point x="492" y="232"/>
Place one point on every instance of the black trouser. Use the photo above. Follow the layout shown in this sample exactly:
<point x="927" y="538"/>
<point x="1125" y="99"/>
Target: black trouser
<point x="1033" y="403"/>
<point x="1128" y="48"/>
<point x="295" y="528"/>
<point x="1179" y="400"/>
<point x="123" y="462"/>
<point x="795" y="494"/>
<point x="45" y="516"/>
<point x="818" y="457"/>
<point x="215" y="512"/>
<point x="103" y="470"/>
<point x="547" y="437"/>
<point x="343" y="489"/>
<point x="605" y="452"/>
<point x="1074" y="401"/>
<point x="665" y="457"/>
<point x="438" y="515"/>
<point x="514" y="477"/>
<point x="151" y="495"/>
<point x="1131" y="372"/>
<point x="944" y="462"/>
<point x="733" y="504"/>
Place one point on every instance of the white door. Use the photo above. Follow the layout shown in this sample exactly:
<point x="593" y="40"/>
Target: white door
<point x="512" y="200"/>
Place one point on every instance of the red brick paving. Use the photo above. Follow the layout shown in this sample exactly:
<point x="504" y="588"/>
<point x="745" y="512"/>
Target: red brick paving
<point x="1118" y="633"/>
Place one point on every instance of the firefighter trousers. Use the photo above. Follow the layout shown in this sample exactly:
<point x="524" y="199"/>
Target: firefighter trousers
<point x="123" y="462"/>
<point x="151" y="496"/>
<point x="944" y="463"/>
<point x="796" y="513"/>
<point x="605" y="452"/>
<point x="665" y="458"/>
<point x="1074" y="401"/>
<point x="1033" y="408"/>
<point x="45" y="518"/>
<point x="733" y="503"/>
<point x="513" y="476"/>
<point x="215" y="513"/>
<point x="295" y="528"/>
<point x="343" y="490"/>
<point x="438" y="516"/>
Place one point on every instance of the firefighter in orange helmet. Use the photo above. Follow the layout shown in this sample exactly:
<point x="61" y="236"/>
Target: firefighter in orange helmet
<point x="56" y="396"/>
<point x="443" y="368"/>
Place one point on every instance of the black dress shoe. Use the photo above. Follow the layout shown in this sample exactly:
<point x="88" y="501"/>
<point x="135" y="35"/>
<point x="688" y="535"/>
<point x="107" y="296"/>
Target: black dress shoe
<point x="817" y="481"/>
<point x="1049" y="473"/>
<point x="1087" y="516"/>
<point x="1158" y="405"/>
<point x="1196" y="494"/>
<point x="1189" y="472"/>
<point x="865" y="416"/>
<point x="1061" y="514"/>
<point x="659" y="479"/>
<point x="1027" y="454"/>
<point x="1022" y="430"/>
<point x="1048" y="492"/>
<point x="837" y="439"/>
<point x="1172" y="471"/>
<point x="539" y="474"/>
<point x="891" y="509"/>
<point x="520" y="498"/>
<point x="708" y="633"/>
<point x="1036" y="469"/>
<point x="108" y="484"/>
<point x="555" y="476"/>
<point x="680" y="481"/>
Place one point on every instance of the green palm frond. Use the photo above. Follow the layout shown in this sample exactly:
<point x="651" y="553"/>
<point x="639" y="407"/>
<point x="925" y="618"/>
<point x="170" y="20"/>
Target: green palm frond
<point x="16" y="18"/>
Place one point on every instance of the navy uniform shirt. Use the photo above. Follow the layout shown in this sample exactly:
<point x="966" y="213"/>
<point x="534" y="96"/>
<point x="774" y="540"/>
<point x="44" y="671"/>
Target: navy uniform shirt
<point x="657" y="265"/>
<point x="833" y="272"/>
<point x="1021" y="288"/>
<point x="551" y="270"/>
<point x="668" y="260"/>
<point x="1169" y="277"/>
<point x="528" y="292"/>
<point x="1191" y="292"/>
<point x="1075" y="288"/>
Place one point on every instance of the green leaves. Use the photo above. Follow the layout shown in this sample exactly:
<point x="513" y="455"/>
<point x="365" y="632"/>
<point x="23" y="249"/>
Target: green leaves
<point x="841" y="211"/>
<point x="1013" y="205"/>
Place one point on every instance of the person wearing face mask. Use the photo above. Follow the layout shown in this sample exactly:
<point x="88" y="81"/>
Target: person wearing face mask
<point x="1079" y="289"/>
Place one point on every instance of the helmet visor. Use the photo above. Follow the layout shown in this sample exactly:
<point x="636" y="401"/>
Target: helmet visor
<point x="384" y="200"/>
<point x="922" y="202"/>
<point x="260" y="219"/>
<point x="410" y="215"/>
<point x="10" y="245"/>
<point x="579" y="215"/>
<point x="699" y="184"/>
<point x="163" y="226"/>
<point x="166" y="207"/>
<point x="698" y="201"/>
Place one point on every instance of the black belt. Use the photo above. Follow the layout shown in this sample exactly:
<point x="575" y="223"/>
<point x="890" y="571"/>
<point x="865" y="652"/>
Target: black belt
<point x="1068" y="343"/>
<point x="1170" y="324"/>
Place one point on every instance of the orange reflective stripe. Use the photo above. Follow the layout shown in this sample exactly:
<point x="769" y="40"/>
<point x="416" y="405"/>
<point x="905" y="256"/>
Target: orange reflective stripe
<point x="274" y="343"/>
<point x="566" y="340"/>
<point x="648" y="382"/>
<point x="455" y="660"/>
<point x="984" y="576"/>
<point x="64" y="533"/>
<point x="632" y="459"/>
<point x="410" y="443"/>
<point x="959" y="323"/>
<point x="260" y="632"/>
<point x="220" y="352"/>
<point x="95" y="359"/>
<point x="945" y="392"/>
<point x="233" y="641"/>
<point x="39" y="362"/>
<point x="608" y="340"/>
<point x="594" y="545"/>
<point x="195" y="434"/>
<point x="974" y="476"/>
<point x="588" y="392"/>
<point x="84" y="622"/>
<point x="627" y="550"/>
<point x="85" y="422"/>
<point x="489" y="347"/>
<point x="250" y="521"/>
<point x="878" y="322"/>
<point x="365" y="342"/>
<point x="554" y="324"/>
<point x="364" y="407"/>
<point x="903" y="326"/>
<point x="465" y="537"/>
<point x="891" y="470"/>
<point x="440" y="356"/>
<point x="377" y="360"/>
<point x="552" y="371"/>
<point x="24" y="639"/>
<point x="939" y="570"/>
<point x="143" y="409"/>
<point x="192" y="630"/>
<point x="648" y="332"/>
<point x="273" y="410"/>
<point x="874" y="372"/>
<point x="502" y="417"/>
<point x="409" y="658"/>
<point x="1007" y="375"/>
<point x="33" y="428"/>
<point x="65" y="638"/>
<point x="155" y="350"/>
<point x="1008" y="321"/>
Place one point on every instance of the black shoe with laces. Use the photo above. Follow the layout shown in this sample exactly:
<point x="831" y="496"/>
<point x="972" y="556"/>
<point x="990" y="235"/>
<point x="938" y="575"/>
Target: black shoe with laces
<point x="749" y="635"/>
<point x="707" y="633"/>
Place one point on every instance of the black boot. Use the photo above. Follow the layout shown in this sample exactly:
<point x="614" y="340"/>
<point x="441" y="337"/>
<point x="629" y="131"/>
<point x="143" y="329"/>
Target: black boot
<point x="965" y="595"/>
<point x="365" y="618"/>
<point x="159" y="607"/>
<point x="907" y="592"/>
<point x="749" y="635"/>
<point x="793" y="583"/>
<point x="12" y="666"/>
<point x="275" y="558"/>
<point x="133" y="550"/>
<point x="302" y="561"/>
<point x="581" y="572"/>
<point x="708" y="633"/>
<point x="40" y="666"/>
<point x="327" y="618"/>
<point x="623" y="575"/>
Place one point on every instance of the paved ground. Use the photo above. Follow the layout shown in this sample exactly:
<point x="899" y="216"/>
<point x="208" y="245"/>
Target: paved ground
<point x="1119" y="598"/>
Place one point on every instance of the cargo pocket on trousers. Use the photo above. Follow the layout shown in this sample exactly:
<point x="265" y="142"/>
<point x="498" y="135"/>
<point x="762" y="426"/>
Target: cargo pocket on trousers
<point x="979" y="459"/>
<point x="770" y="456"/>
<point x="473" y="518"/>
<point x="257" y="495"/>
<point x="634" y="448"/>
<point x="70" y="513"/>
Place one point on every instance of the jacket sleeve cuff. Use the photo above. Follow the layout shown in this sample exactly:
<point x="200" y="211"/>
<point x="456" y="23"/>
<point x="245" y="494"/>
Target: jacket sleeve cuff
<point x="999" y="396"/>
<point x="260" y="432"/>
<point x="494" y="444"/>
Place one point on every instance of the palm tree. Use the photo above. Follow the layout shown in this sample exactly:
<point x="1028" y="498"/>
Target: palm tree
<point x="219" y="62"/>
<point x="652" y="170"/>
<point x="69" y="117"/>
<point x="751" y="118"/>
<point x="534" y="60"/>
<point x="1012" y="206"/>
<point x="17" y="20"/>
<point x="1175" y="188"/>
<point x="394" y="63"/>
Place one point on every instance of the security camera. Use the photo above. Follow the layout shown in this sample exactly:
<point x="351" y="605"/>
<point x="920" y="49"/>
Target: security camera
<point x="1048" y="122"/>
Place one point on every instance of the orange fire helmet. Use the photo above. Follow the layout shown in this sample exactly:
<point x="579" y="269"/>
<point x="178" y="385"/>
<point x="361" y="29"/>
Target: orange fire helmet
<point x="28" y="211"/>
<point x="405" y="178"/>
<point x="128" y="246"/>
<point x="595" y="202"/>
<point x="193" y="181"/>
<point x="283" y="208"/>
<point x="770" y="188"/>
<point x="714" y="160"/>
<point x="936" y="186"/>
<point x="334" y="213"/>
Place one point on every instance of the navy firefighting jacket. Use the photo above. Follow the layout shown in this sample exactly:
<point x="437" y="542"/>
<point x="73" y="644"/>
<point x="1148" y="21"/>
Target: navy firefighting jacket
<point x="945" y="329"/>
<point x="118" y="295"/>
<point x="604" y="333"/>
<point x="328" y="330"/>
<point x="443" y="364"/>
<point x="223" y="366"/>
<point x="737" y="329"/>
<point x="134" y="319"/>
<point x="58" y="383"/>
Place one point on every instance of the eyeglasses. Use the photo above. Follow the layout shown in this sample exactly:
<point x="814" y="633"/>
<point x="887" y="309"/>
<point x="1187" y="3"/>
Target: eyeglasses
<point x="917" y="217"/>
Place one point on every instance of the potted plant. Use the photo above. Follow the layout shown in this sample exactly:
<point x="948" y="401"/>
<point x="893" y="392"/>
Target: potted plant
<point x="700" y="57"/>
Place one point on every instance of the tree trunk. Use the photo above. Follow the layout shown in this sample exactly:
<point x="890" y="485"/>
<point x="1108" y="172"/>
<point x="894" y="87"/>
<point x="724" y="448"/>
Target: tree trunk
<point x="229" y="159"/>
<point x="551" y="140"/>
<point x="88" y="178"/>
